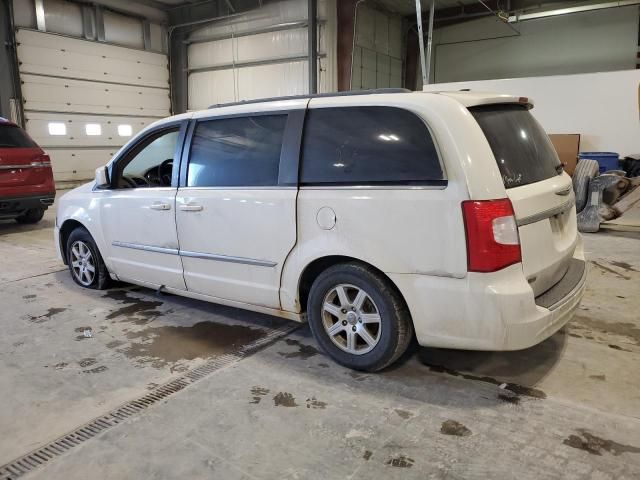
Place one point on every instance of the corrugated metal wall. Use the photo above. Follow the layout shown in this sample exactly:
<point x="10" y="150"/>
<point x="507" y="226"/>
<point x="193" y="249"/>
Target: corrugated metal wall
<point x="259" y="54"/>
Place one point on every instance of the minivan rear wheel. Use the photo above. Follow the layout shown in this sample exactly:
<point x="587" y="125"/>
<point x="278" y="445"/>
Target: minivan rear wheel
<point x="33" y="215"/>
<point x="85" y="262"/>
<point x="358" y="318"/>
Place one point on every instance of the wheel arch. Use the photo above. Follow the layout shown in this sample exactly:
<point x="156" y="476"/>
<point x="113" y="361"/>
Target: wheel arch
<point x="320" y="264"/>
<point x="66" y="228"/>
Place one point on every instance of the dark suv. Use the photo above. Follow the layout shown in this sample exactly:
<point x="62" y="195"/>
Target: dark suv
<point x="26" y="178"/>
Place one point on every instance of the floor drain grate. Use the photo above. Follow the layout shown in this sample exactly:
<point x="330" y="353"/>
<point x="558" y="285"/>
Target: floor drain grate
<point x="35" y="459"/>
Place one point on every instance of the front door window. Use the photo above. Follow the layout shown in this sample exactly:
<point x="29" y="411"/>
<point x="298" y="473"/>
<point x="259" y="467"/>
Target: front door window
<point x="149" y="164"/>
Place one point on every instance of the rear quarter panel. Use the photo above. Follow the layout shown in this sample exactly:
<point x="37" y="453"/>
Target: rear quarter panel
<point x="399" y="230"/>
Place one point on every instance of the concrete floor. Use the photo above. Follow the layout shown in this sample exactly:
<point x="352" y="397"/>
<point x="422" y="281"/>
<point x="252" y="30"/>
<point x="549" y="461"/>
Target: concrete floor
<point x="569" y="409"/>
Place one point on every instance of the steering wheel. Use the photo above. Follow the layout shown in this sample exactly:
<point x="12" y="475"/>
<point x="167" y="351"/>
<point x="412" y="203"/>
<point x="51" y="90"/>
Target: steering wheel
<point x="132" y="181"/>
<point x="165" y="170"/>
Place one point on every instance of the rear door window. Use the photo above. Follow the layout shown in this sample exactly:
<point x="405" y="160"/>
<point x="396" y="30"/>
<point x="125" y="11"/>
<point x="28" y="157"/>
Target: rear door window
<point x="522" y="149"/>
<point x="371" y="145"/>
<point x="15" y="137"/>
<point x="236" y="152"/>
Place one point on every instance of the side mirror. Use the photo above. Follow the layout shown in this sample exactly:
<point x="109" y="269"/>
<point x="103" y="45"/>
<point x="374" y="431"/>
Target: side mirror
<point x="102" y="177"/>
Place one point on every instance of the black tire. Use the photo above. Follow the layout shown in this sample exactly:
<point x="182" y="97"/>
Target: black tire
<point x="395" y="326"/>
<point x="100" y="279"/>
<point x="582" y="175"/>
<point x="33" y="215"/>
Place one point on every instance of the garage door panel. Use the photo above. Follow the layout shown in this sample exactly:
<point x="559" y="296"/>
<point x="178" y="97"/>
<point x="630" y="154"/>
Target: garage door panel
<point x="75" y="125"/>
<point x="50" y="54"/>
<point x="272" y="45"/>
<point x="219" y="52"/>
<point x="74" y="164"/>
<point x="74" y="82"/>
<point x="208" y="88"/>
<point x="275" y="80"/>
<point x="63" y="95"/>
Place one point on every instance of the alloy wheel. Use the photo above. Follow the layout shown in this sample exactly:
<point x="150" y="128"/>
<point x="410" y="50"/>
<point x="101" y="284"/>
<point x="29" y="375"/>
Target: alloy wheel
<point x="82" y="263"/>
<point x="351" y="319"/>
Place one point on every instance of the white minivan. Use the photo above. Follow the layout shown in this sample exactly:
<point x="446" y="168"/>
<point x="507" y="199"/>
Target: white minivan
<point x="375" y="216"/>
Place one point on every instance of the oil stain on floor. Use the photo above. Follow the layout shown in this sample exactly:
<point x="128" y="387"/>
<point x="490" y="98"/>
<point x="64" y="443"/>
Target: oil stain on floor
<point x="595" y="445"/>
<point x="513" y="388"/>
<point x="284" y="399"/>
<point x="401" y="461"/>
<point x="304" y="351"/>
<point x="257" y="394"/>
<point x="46" y="316"/>
<point x="162" y="346"/>
<point x="314" y="403"/>
<point x="133" y="308"/>
<point x="451" y="427"/>
<point x="623" y="329"/>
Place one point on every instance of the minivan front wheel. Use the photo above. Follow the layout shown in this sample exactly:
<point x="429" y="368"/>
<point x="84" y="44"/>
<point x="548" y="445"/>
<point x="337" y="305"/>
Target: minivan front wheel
<point x="358" y="318"/>
<point x="85" y="262"/>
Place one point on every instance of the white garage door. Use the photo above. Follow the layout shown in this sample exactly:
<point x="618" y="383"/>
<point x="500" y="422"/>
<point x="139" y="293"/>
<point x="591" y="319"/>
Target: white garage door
<point x="377" y="56"/>
<point x="84" y="99"/>
<point x="261" y="53"/>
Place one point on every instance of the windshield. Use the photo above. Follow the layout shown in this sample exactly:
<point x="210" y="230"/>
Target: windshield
<point x="522" y="148"/>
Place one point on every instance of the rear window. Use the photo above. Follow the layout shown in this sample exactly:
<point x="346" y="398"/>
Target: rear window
<point x="368" y="146"/>
<point x="14" y="137"/>
<point x="522" y="148"/>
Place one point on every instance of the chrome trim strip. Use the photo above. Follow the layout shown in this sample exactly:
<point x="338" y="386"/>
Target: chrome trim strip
<point x="273" y="187"/>
<point x="186" y="253"/>
<point x="374" y="187"/>
<point x="25" y="166"/>
<point x="15" y="167"/>
<point x="547" y="213"/>
<point x="226" y="258"/>
<point x="146" y="248"/>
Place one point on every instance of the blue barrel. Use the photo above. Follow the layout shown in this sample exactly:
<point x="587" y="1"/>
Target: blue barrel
<point x="606" y="160"/>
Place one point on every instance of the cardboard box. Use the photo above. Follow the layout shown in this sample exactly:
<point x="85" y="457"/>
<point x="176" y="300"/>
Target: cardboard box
<point x="567" y="145"/>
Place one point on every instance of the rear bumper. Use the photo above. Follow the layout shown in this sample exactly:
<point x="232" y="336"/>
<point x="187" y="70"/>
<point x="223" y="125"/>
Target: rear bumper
<point x="495" y="311"/>
<point x="16" y="206"/>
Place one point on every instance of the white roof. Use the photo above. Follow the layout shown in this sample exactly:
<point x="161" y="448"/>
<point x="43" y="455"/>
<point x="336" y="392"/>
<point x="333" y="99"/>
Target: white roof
<point x="470" y="98"/>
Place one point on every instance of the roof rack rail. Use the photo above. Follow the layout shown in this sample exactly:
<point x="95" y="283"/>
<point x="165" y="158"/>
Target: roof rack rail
<point x="374" y="91"/>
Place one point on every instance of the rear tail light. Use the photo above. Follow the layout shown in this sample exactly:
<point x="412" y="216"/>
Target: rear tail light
<point x="41" y="161"/>
<point x="492" y="235"/>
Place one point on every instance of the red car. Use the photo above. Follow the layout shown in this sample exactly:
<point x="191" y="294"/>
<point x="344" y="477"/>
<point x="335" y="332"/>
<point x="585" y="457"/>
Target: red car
<point x="26" y="178"/>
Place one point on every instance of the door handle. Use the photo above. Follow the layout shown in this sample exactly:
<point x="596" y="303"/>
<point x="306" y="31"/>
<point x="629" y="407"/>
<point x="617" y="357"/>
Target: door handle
<point x="160" y="206"/>
<point x="190" y="207"/>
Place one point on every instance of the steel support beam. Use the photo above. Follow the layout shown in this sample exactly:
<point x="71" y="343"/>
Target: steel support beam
<point x="40" y="17"/>
<point x="11" y="92"/>
<point x="100" y="35"/>
<point x="421" y="42"/>
<point x="312" y="29"/>
<point x="88" y="23"/>
<point x="146" y="34"/>
<point x="178" y="74"/>
<point x="432" y="12"/>
<point x="570" y="10"/>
